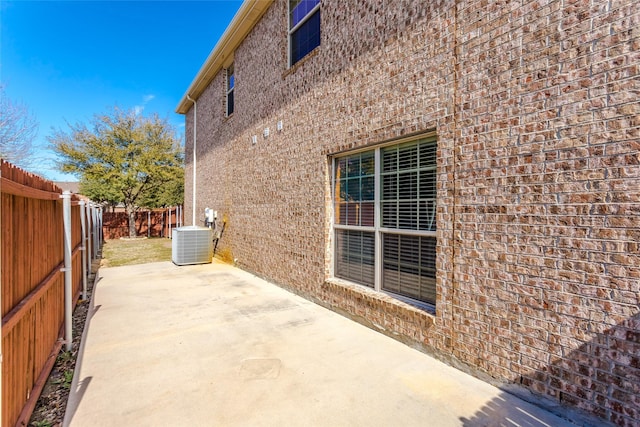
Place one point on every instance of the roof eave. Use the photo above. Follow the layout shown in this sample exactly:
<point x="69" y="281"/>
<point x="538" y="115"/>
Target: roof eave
<point x="242" y="23"/>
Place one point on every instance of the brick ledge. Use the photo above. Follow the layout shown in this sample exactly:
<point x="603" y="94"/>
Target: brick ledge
<point x="379" y="311"/>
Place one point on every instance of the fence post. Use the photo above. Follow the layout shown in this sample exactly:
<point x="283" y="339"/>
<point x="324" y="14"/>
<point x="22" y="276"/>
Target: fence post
<point x="68" y="271"/>
<point x="96" y="238"/>
<point x="83" y="248"/>
<point x="100" y="235"/>
<point x="89" y="240"/>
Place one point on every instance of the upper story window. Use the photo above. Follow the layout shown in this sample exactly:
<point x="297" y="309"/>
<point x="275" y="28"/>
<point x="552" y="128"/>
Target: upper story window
<point x="304" y="28"/>
<point x="231" y="82"/>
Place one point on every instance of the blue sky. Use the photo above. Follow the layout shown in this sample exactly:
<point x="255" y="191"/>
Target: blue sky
<point x="68" y="60"/>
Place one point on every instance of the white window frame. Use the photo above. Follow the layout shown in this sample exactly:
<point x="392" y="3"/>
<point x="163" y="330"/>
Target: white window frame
<point x="377" y="229"/>
<point x="295" y="28"/>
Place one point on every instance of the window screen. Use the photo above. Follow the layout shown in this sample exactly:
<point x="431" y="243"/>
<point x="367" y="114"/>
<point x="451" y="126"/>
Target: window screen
<point x="231" y="83"/>
<point x="355" y="256"/>
<point x="409" y="186"/>
<point x="304" y="28"/>
<point x="355" y="184"/>
<point x="409" y="266"/>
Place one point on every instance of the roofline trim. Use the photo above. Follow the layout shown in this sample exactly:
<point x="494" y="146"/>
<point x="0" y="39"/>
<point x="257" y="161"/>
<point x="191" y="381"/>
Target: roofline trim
<point x="241" y="25"/>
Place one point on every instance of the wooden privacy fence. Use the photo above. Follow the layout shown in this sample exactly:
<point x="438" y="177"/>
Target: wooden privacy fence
<point x="149" y="223"/>
<point x="44" y="268"/>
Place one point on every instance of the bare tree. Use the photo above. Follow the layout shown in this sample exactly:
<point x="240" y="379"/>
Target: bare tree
<point x="18" y="129"/>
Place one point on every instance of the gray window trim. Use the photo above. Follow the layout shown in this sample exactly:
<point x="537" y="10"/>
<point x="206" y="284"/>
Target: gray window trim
<point x="303" y="20"/>
<point x="377" y="220"/>
<point x="354" y="227"/>
<point x="407" y="232"/>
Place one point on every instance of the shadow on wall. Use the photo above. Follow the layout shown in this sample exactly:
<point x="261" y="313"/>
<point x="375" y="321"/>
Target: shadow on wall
<point x="505" y="410"/>
<point x="217" y="234"/>
<point x="601" y="377"/>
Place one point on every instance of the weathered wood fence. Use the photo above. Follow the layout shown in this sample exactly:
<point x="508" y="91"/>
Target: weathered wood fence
<point x="149" y="223"/>
<point x="44" y="268"/>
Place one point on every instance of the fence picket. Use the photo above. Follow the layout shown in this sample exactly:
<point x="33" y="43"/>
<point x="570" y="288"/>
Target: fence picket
<point x="150" y="223"/>
<point x="32" y="286"/>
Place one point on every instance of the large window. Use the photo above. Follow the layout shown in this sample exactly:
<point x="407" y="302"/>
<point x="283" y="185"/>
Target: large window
<point x="385" y="219"/>
<point x="231" y="83"/>
<point x="304" y="28"/>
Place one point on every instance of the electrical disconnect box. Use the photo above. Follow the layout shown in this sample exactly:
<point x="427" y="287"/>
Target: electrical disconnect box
<point x="210" y="217"/>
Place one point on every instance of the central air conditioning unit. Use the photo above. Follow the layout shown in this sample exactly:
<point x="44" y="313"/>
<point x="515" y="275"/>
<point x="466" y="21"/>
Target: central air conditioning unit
<point x="191" y="245"/>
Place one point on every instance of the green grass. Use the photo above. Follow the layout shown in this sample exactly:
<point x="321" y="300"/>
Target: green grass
<point x="135" y="251"/>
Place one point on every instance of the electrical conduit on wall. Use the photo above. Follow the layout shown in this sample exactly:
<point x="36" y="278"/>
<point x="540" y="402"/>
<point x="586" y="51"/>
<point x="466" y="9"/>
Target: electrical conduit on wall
<point x="195" y="130"/>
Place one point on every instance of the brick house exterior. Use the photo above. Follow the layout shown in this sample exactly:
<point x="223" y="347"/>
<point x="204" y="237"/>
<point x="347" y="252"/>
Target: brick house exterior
<point x="534" y="109"/>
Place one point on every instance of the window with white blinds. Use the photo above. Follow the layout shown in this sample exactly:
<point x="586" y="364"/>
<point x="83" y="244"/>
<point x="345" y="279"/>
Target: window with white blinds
<point x="409" y="187"/>
<point x="356" y="251"/>
<point x="385" y="219"/>
<point x="408" y="266"/>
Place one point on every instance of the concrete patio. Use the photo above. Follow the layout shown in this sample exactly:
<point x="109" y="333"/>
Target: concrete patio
<point x="211" y="345"/>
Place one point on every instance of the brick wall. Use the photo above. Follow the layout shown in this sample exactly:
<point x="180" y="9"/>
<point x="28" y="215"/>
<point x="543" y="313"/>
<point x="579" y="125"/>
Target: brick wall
<point x="535" y="104"/>
<point x="547" y="190"/>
